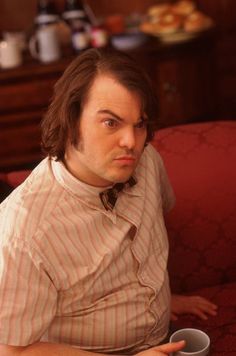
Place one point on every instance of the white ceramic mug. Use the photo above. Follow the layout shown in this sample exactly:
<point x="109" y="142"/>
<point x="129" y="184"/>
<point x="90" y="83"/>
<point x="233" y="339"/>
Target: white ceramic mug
<point x="197" y="342"/>
<point x="10" y="54"/>
<point x="19" y="37"/>
<point x="45" y="44"/>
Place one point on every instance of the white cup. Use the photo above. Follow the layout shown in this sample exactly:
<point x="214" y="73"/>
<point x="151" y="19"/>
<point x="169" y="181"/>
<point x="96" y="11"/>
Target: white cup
<point x="45" y="44"/>
<point x="10" y="54"/>
<point x="197" y="342"/>
<point x="18" y="37"/>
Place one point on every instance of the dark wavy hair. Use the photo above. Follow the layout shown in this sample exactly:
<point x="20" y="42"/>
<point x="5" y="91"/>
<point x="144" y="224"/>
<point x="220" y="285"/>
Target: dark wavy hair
<point x="60" y="124"/>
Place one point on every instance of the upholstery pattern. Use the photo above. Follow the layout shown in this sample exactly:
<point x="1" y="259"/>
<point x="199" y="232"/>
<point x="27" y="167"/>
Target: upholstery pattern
<point x="202" y="227"/>
<point x="201" y="163"/>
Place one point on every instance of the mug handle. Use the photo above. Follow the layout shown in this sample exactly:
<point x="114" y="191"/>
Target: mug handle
<point x="33" y="47"/>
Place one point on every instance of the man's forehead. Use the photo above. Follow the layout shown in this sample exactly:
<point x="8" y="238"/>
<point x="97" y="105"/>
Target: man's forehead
<point x="108" y="87"/>
<point x="103" y="80"/>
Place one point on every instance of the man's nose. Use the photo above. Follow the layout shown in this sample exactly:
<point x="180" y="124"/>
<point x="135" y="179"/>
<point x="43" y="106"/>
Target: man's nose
<point x="127" y="138"/>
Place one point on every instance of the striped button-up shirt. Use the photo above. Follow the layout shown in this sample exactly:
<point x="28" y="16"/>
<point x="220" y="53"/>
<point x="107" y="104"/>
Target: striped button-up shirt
<point x="72" y="272"/>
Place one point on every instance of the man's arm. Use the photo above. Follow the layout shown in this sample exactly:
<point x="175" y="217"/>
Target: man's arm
<point x="43" y="349"/>
<point x="47" y="349"/>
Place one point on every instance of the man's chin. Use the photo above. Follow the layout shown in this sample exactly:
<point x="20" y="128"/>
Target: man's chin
<point x="122" y="178"/>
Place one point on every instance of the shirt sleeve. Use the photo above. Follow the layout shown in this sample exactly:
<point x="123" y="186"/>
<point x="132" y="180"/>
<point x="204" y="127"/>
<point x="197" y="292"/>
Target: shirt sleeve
<point x="28" y="297"/>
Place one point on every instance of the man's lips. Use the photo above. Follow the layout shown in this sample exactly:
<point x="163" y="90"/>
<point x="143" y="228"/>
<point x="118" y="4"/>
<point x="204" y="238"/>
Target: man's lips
<point x="126" y="159"/>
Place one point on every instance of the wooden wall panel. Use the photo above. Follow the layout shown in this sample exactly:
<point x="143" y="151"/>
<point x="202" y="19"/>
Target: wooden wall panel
<point x="16" y="14"/>
<point x="19" y="14"/>
<point x="222" y="11"/>
<point x="224" y="14"/>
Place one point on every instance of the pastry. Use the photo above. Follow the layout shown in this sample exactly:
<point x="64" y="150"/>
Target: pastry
<point x="184" y="7"/>
<point x="197" y="21"/>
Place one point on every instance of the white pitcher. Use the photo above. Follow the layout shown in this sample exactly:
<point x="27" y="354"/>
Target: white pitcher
<point x="45" y="44"/>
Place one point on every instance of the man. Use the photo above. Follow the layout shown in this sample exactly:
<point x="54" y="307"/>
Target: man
<point x="79" y="274"/>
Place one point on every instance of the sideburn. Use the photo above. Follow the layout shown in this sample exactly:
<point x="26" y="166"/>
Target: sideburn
<point x="77" y="140"/>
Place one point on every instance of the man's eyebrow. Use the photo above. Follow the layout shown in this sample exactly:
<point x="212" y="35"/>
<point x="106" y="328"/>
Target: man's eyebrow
<point x="107" y="111"/>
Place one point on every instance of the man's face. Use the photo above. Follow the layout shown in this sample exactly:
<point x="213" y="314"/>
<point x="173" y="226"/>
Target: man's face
<point x="112" y="134"/>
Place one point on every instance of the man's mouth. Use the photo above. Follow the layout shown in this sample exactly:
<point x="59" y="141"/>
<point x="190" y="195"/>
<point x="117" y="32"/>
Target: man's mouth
<point x="127" y="160"/>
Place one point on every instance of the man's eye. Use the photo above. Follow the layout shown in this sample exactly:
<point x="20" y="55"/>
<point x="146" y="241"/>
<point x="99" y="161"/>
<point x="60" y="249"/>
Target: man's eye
<point x="142" y="124"/>
<point x="111" y="123"/>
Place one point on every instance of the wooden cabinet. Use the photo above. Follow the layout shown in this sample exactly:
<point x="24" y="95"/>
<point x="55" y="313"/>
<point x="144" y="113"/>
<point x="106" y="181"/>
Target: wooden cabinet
<point x="185" y="81"/>
<point x="182" y="75"/>
<point x="223" y="13"/>
<point x="25" y="93"/>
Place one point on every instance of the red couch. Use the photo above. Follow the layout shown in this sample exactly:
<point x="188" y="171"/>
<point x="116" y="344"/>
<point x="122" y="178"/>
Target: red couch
<point x="201" y="162"/>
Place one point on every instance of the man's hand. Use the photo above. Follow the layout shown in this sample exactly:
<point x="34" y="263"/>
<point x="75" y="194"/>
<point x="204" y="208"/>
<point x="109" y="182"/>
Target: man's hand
<point x="196" y="305"/>
<point x="163" y="350"/>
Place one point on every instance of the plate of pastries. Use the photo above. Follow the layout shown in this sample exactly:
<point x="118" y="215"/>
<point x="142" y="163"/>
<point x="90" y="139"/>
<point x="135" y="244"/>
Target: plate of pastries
<point x="175" y="22"/>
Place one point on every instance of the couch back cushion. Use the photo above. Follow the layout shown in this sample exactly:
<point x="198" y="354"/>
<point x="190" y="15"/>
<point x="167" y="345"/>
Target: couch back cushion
<point x="201" y="163"/>
<point x="16" y="177"/>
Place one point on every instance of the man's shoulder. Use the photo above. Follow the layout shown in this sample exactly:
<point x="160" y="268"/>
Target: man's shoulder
<point x="30" y="203"/>
<point x="35" y="186"/>
<point x="152" y="168"/>
<point x="151" y="158"/>
<point x="152" y="153"/>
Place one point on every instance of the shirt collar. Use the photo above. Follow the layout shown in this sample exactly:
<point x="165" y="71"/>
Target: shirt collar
<point x="86" y="193"/>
